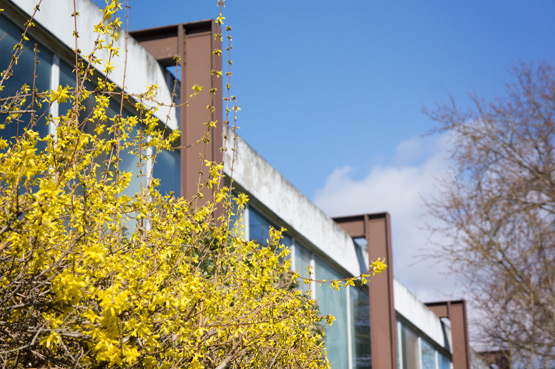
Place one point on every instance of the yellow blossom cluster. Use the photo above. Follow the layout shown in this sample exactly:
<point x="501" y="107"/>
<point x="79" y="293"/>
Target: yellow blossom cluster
<point x="178" y="289"/>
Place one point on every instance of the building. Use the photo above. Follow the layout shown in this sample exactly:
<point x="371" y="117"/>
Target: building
<point x="381" y="325"/>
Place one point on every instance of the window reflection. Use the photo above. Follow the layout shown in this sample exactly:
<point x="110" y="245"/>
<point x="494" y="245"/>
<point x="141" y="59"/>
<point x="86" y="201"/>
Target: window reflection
<point x="302" y="263"/>
<point x="428" y="356"/>
<point x="411" y="358"/>
<point x="259" y="228"/>
<point x="360" y="327"/>
<point x="167" y="169"/>
<point x="416" y="352"/>
<point x="444" y="362"/>
<point x="28" y="72"/>
<point x="332" y="302"/>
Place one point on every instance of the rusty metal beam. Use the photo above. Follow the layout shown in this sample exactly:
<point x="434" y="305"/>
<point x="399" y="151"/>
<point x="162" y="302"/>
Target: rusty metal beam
<point x="376" y="228"/>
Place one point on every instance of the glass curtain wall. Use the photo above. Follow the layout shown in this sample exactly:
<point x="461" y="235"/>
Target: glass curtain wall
<point x="167" y="168"/>
<point x="410" y="351"/>
<point x="444" y="362"/>
<point x="348" y="339"/>
<point x="416" y="352"/>
<point x="303" y="261"/>
<point x="259" y="227"/>
<point x="428" y="355"/>
<point x="360" y="327"/>
<point x="332" y="302"/>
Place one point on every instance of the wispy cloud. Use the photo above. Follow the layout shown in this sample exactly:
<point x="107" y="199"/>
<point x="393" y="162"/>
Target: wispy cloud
<point x="400" y="189"/>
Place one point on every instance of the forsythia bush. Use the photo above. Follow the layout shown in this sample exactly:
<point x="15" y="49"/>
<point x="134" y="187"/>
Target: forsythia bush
<point x="94" y="277"/>
<point x="179" y="291"/>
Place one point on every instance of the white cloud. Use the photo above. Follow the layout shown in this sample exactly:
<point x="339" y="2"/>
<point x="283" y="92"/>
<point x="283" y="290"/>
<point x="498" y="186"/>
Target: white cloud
<point x="399" y="189"/>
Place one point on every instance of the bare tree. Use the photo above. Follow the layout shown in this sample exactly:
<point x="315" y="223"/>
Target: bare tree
<point x="497" y="209"/>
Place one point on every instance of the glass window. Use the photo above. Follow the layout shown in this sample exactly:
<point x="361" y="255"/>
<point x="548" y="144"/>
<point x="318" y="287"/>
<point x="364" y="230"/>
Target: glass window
<point x="411" y="357"/>
<point x="444" y="362"/>
<point x="287" y="241"/>
<point x="167" y="168"/>
<point x="416" y="352"/>
<point x="128" y="162"/>
<point x="23" y="73"/>
<point x="172" y="77"/>
<point x="428" y="355"/>
<point x="258" y="227"/>
<point x="67" y="78"/>
<point x="332" y="302"/>
<point x="236" y="220"/>
<point x="302" y="263"/>
<point x="360" y="327"/>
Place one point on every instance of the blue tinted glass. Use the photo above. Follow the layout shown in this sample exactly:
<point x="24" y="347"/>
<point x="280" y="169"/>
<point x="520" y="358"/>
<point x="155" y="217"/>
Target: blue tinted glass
<point x="302" y="262"/>
<point x="428" y="355"/>
<point x="258" y="227"/>
<point x="172" y="76"/>
<point x="129" y="162"/>
<point x="360" y="327"/>
<point x="29" y="65"/>
<point x="332" y="302"/>
<point x="286" y="240"/>
<point x="167" y="168"/>
<point x="444" y="362"/>
<point x="237" y="218"/>
<point x="67" y="78"/>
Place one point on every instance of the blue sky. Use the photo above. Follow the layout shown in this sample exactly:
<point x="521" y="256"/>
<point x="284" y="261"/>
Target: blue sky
<point x="324" y="84"/>
<point x="332" y="94"/>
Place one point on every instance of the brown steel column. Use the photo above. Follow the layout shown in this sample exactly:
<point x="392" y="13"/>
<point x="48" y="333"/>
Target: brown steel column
<point x="183" y="92"/>
<point x="455" y="311"/>
<point x="194" y="43"/>
<point x="199" y="63"/>
<point x="377" y="231"/>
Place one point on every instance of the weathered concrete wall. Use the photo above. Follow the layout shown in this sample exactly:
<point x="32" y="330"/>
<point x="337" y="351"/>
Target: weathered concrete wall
<point x="142" y="68"/>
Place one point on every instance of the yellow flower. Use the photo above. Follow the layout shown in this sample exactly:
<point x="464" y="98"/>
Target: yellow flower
<point x="61" y="95"/>
<point x="220" y="19"/>
<point x="378" y="266"/>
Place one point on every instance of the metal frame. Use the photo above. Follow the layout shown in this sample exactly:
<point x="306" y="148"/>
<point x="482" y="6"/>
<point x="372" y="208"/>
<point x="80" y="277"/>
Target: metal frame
<point x="376" y="228"/>
<point x="455" y="311"/>
<point x="193" y="43"/>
